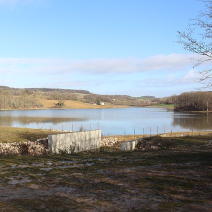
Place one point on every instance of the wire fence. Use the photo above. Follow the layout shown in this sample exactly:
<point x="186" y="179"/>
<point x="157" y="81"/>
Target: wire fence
<point x="145" y="131"/>
<point x="163" y="131"/>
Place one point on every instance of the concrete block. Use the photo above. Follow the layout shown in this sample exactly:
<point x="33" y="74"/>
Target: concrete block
<point x="128" y="145"/>
<point x="74" y="142"/>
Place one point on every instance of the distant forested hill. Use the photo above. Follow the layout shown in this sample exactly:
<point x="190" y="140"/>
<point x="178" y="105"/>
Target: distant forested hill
<point x="24" y="98"/>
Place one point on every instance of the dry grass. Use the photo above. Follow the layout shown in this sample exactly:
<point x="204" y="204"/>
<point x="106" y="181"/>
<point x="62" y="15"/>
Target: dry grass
<point x="122" y="138"/>
<point x="168" y="106"/>
<point x="11" y="134"/>
<point x="175" y="178"/>
<point x="15" y="134"/>
<point x="70" y="104"/>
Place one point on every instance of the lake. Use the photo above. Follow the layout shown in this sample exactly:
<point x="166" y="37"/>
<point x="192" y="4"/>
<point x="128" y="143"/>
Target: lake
<point x="118" y="121"/>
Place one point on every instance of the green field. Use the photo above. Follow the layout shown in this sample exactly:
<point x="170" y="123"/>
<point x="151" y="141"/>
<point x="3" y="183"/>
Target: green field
<point x="168" y="106"/>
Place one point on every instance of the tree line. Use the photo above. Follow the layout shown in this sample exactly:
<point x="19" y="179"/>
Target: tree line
<point x="194" y="101"/>
<point x="8" y="101"/>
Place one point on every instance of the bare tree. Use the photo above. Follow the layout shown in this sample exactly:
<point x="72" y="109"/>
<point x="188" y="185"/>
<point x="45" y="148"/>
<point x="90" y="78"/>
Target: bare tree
<point x="200" y="42"/>
<point x="194" y="101"/>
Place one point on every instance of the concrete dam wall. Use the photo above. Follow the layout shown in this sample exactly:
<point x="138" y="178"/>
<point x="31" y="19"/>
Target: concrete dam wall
<point x="74" y="142"/>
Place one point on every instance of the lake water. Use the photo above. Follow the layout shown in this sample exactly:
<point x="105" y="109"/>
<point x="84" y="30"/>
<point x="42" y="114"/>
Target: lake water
<point x="118" y="121"/>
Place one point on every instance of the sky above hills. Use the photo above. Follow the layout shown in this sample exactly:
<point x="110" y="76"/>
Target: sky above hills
<point x="104" y="46"/>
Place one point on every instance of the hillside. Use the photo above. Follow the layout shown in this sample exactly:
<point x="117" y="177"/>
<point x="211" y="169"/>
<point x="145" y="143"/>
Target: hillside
<point x="35" y="98"/>
<point x="71" y="104"/>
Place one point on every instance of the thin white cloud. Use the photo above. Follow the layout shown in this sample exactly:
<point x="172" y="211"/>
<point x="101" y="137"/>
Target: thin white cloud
<point x="170" y="80"/>
<point x="191" y="76"/>
<point x="74" y="83"/>
<point x="173" y="62"/>
<point x="158" y="72"/>
<point x="128" y="65"/>
<point x="166" y="62"/>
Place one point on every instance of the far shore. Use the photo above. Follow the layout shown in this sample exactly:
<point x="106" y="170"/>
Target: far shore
<point x="167" y="106"/>
<point x="71" y="104"/>
<point x="171" y="107"/>
<point x="193" y="111"/>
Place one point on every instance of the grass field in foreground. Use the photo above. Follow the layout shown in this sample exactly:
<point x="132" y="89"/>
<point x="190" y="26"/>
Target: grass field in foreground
<point x="177" y="177"/>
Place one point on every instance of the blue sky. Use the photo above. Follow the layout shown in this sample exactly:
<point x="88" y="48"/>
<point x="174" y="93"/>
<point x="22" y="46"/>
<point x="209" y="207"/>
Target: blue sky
<point x="104" y="46"/>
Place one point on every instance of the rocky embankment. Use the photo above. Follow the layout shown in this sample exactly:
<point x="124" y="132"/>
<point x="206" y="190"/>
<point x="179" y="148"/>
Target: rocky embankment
<point x="148" y="145"/>
<point x="143" y="144"/>
<point x="109" y="141"/>
<point x="38" y="147"/>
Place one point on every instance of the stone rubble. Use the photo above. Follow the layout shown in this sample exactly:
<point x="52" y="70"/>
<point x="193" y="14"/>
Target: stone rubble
<point x="38" y="147"/>
<point x="146" y="145"/>
<point x="109" y="141"/>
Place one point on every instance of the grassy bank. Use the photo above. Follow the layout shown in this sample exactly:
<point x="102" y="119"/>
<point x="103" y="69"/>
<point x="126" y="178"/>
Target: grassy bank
<point x="15" y="134"/>
<point x="168" y="106"/>
<point x="177" y="177"/>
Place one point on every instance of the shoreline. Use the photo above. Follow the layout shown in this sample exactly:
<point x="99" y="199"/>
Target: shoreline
<point x="70" y="104"/>
<point x="192" y="111"/>
<point x="68" y="108"/>
<point x="9" y="134"/>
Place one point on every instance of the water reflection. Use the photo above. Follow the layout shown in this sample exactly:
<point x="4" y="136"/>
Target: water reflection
<point x="193" y="121"/>
<point x="118" y="121"/>
<point x="24" y="120"/>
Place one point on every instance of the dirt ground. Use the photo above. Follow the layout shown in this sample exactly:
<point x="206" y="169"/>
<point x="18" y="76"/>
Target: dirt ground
<point x="178" y="177"/>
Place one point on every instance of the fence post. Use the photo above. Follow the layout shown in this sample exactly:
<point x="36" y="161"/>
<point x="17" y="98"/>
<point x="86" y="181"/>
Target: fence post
<point x="124" y="136"/>
<point x="134" y="134"/>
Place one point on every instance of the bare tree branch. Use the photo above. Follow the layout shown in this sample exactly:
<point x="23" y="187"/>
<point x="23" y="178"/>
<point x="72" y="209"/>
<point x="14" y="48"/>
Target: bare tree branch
<point x="200" y="43"/>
